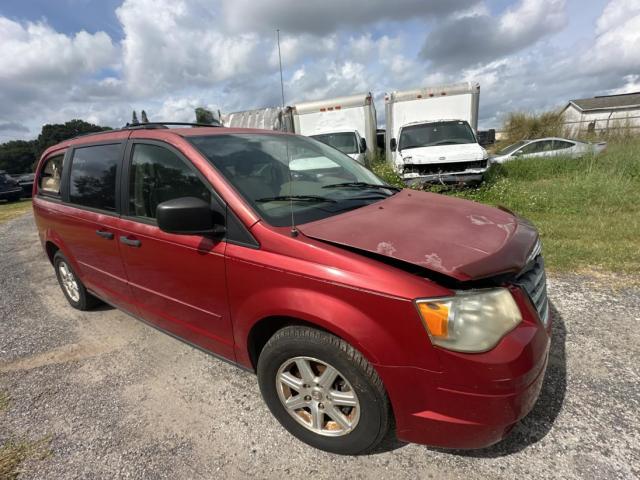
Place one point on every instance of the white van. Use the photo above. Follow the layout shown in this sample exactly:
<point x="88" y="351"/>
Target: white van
<point x="346" y="123"/>
<point x="431" y="134"/>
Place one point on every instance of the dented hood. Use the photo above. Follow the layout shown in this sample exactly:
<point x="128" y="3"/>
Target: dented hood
<point x="458" y="238"/>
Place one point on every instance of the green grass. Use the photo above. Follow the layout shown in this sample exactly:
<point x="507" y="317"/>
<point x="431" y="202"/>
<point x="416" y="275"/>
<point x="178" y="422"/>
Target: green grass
<point x="587" y="210"/>
<point x="9" y="210"/>
<point x="4" y="401"/>
<point x="13" y="453"/>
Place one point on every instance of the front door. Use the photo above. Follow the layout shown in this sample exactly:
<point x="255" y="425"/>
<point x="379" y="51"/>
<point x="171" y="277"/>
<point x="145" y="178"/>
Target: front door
<point x="178" y="280"/>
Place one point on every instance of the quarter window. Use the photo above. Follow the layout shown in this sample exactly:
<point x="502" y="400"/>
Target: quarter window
<point x="93" y="176"/>
<point x="51" y="175"/>
<point x="158" y="175"/>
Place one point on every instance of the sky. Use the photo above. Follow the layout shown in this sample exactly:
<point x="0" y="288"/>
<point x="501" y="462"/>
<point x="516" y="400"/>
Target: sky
<point x="99" y="59"/>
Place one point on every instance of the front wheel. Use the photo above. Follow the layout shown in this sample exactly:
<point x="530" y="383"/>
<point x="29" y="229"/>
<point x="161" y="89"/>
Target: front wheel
<point x="323" y="391"/>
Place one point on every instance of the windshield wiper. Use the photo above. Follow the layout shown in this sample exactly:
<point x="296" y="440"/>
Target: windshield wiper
<point x="295" y="198"/>
<point x="361" y="185"/>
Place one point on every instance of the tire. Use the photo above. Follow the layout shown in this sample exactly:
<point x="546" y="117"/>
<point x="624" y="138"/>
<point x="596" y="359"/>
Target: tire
<point x="77" y="297"/>
<point x="362" y="427"/>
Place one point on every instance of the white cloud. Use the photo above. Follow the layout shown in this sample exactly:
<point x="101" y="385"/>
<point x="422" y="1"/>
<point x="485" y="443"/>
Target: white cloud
<point x="616" y="13"/>
<point x="175" y="44"/>
<point x="617" y="45"/>
<point x="632" y="84"/>
<point x="176" y="55"/>
<point x="475" y="38"/>
<point x="34" y="51"/>
<point x="300" y="16"/>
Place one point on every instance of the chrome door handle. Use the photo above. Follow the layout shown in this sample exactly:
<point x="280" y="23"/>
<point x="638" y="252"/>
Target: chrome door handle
<point x="130" y="241"/>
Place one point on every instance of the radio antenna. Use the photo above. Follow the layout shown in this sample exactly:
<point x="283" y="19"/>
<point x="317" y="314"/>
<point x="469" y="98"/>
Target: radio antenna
<point x="294" y="231"/>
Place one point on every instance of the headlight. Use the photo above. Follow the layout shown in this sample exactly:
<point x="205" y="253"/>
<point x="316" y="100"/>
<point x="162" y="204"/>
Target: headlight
<point x="472" y="321"/>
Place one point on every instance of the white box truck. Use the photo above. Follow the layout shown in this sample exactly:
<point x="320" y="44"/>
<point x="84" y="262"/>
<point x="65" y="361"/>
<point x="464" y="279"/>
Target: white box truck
<point x="270" y="118"/>
<point x="431" y="134"/>
<point x="346" y="123"/>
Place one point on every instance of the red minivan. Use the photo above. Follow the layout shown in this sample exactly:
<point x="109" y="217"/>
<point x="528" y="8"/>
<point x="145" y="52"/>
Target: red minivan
<point x="364" y="309"/>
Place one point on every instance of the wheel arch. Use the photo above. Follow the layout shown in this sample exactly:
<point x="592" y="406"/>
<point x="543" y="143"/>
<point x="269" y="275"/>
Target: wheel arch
<point x="51" y="248"/>
<point x="265" y="328"/>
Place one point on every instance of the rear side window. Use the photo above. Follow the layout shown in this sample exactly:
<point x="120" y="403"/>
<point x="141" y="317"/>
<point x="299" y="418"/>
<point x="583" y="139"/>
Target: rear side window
<point x="51" y="175"/>
<point x="157" y="175"/>
<point x="93" y="176"/>
<point x="561" y="145"/>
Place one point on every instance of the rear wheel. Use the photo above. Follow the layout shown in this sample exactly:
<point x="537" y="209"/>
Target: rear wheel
<point x="73" y="289"/>
<point x="323" y="391"/>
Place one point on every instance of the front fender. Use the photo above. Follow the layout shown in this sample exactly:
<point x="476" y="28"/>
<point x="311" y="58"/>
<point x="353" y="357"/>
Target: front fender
<point x="327" y="312"/>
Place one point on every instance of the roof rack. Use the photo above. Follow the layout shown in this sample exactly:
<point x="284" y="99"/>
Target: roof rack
<point x="149" y="126"/>
<point x="152" y="125"/>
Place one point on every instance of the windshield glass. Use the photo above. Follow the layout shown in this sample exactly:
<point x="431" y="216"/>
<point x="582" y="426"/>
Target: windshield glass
<point x="511" y="148"/>
<point x="345" y="142"/>
<point x="436" y="133"/>
<point x="276" y="173"/>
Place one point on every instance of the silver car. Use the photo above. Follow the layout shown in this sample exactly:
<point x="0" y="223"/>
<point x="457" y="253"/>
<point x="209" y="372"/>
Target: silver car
<point x="547" y="147"/>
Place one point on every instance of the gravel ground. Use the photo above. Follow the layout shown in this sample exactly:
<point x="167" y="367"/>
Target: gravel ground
<point x="118" y="399"/>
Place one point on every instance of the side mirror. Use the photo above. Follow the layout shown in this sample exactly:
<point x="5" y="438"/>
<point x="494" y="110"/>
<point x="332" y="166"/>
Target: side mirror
<point x="393" y="144"/>
<point x="363" y="145"/>
<point x="188" y="216"/>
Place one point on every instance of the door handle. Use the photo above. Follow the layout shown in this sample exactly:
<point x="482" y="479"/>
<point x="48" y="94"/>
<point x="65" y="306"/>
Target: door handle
<point x="130" y="241"/>
<point x="104" y="234"/>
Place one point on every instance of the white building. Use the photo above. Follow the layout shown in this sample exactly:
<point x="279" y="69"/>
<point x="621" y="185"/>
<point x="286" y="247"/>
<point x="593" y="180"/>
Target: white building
<point x="604" y="114"/>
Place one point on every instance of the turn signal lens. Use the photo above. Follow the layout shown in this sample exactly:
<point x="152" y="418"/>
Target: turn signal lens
<point x="436" y="317"/>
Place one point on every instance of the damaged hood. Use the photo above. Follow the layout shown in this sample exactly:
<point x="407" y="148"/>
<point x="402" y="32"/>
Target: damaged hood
<point x="458" y="238"/>
<point x="466" y="152"/>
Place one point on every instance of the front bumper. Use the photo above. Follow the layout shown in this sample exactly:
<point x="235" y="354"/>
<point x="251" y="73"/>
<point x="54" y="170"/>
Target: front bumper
<point x="10" y="192"/>
<point x="474" y="176"/>
<point x="475" y="399"/>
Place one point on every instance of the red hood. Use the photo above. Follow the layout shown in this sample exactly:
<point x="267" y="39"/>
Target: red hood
<point x="462" y="239"/>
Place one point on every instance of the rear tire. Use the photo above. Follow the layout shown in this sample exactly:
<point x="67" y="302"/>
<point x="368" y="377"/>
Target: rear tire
<point x="347" y="412"/>
<point x="73" y="289"/>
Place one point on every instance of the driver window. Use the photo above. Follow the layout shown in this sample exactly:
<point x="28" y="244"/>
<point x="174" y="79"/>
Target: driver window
<point x="158" y="175"/>
<point x="532" y="147"/>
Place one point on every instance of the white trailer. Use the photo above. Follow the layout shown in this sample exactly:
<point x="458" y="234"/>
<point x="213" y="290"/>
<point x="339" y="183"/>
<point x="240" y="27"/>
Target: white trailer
<point x="431" y="134"/>
<point x="346" y="123"/>
<point x="270" y="118"/>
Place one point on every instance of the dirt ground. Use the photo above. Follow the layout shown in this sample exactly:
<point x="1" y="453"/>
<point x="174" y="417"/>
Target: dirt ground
<point x="113" y="398"/>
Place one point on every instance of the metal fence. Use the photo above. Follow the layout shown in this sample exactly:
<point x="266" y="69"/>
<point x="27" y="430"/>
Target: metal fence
<point x="606" y="125"/>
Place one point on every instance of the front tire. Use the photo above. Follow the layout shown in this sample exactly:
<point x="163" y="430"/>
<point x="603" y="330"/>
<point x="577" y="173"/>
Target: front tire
<point x="73" y="289"/>
<point x="323" y="391"/>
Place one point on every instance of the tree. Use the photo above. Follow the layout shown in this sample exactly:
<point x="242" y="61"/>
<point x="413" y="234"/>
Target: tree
<point x="18" y="156"/>
<point x="56" y="133"/>
<point x="134" y="118"/>
<point x="205" y="116"/>
<point x="144" y="117"/>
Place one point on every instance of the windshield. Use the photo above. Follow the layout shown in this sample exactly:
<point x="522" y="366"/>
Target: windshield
<point x="345" y="142"/>
<point x="436" y="133"/>
<point x="278" y="173"/>
<point x="512" y="148"/>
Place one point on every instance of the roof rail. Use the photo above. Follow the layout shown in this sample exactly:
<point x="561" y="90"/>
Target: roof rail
<point x="151" y="125"/>
<point x="148" y="126"/>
